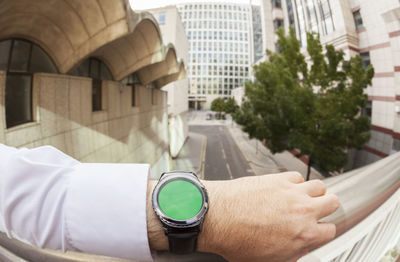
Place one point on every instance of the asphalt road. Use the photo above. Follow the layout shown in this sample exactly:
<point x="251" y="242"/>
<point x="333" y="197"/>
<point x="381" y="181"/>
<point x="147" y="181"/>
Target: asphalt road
<point x="224" y="160"/>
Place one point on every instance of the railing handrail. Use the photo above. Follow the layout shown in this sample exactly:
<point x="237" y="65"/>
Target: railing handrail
<point x="360" y="191"/>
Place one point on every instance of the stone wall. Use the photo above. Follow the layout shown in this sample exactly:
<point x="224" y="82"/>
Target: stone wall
<point x="117" y="134"/>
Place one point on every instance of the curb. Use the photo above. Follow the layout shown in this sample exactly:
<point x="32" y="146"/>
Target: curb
<point x="241" y="151"/>
<point x="201" y="168"/>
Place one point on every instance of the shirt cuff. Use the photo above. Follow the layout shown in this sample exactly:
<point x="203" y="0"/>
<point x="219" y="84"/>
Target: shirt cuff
<point x="105" y="210"/>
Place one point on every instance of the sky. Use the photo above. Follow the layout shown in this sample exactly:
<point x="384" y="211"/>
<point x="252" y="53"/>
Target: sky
<point x="147" y="4"/>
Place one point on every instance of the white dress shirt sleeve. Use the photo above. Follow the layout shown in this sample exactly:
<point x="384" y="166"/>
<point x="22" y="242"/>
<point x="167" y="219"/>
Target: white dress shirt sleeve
<point x="50" y="200"/>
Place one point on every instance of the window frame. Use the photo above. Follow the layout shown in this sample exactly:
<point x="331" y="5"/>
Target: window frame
<point x="26" y="72"/>
<point x="31" y="115"/>
<point x="162" y="18"/>
<point x="365" y="62"/>
<point x="358" y="21"/>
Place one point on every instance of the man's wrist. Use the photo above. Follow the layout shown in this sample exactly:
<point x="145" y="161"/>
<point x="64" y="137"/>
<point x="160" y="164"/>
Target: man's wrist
<point x="155" y="232"/>
<point x="207" y="238"/>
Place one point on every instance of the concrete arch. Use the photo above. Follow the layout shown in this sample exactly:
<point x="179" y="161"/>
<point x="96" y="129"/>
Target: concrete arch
<point x="66" y="29"/>
<point x="135" y="50"/>
<point x="70" y="31"/>
<point x="168" y="66"/>
<point x="172" y="77"/>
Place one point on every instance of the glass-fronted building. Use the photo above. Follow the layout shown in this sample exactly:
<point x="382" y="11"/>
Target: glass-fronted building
<point x="367" y="28"/>
<point x="221" y="48"/>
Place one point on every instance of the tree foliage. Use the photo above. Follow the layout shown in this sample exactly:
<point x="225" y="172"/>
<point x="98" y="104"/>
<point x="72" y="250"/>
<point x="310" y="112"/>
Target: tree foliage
<point x="230" y="106"/>
<point x="312" y="105"/>
<point x="218" y="105"/>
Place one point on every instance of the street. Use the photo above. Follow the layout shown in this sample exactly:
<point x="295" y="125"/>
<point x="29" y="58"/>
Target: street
<point x="224" y="159"/>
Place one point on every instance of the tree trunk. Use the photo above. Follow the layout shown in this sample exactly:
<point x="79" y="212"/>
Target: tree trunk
<point x="308" y="169"/>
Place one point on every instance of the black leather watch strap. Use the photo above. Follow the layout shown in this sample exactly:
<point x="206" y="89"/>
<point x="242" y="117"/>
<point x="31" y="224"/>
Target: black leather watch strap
<point x="182" y="242"/>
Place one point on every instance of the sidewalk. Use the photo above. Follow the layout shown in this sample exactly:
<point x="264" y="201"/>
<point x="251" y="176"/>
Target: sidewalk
<point x="192" y="155"/>
<point x="262" y="161"/>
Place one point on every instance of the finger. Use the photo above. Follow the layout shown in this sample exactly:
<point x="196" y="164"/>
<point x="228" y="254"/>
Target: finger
<point x="313" y="188"/>
<point x="326" y="205"/>
<point x="326" y="232"/>
<point x="294" y="177"/>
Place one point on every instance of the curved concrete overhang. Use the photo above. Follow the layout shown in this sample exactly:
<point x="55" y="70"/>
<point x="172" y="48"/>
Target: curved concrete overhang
<point x="73" y="30"/>
<point x="181" y="74"/>
<point x="168" y="66"/>
<point x="67" y="30"/>
<point x="133" y="51"/>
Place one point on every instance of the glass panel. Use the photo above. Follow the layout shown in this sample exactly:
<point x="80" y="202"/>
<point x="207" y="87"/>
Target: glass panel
<point x="82" y="69"/>
<point x="41" y="62"/>
<point x="96" y="95"/>
<point x="105" y="73"/>
<point x="367" y="110"/>
<point x="20" y="56"/>
<point x="4" y="54"/>
<point x="326" y="16"/>
<point x="312" y="16"/>
<point x="18" y="99"/>
<point x="366" y="60"/>
<point x="133" y="95"/>
<point x="94" y="68"/>
<point x="161" y="19"/>
<point x="358" y="20"/>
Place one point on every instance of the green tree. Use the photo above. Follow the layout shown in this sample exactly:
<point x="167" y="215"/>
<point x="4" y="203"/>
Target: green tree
<point x="312" y="105"/>
<point x="218" y="105"/>
<point x="230" y="106"/>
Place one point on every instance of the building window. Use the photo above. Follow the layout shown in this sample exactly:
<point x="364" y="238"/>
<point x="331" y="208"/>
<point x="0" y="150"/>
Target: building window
<point x="358" y="20"/>
<point x="161" y="18"/>
<point x="132" y="80"/>
<point x="276" y="4"/>
<point x="278" y="23"/>
<point x="326" y="16"/>
<point x="133" y="95"/>
<point x="96" y="95"/>
<point x="367" y="110"/>
<point x="290" y="12"/>
<point x="366" y="60"/>
<point x="312" y="16"/>
<point x="98" y="71"/>
<point x="21" y="59"/>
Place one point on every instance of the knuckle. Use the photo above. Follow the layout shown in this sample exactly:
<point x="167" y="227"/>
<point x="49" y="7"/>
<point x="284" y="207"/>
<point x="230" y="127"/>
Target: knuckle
<point x="308" y="236"/>
<point x="320" y="184"/>
<point x="304" y="209"/>
<point x="330" y="232"/>
<point x="297" y="176"/>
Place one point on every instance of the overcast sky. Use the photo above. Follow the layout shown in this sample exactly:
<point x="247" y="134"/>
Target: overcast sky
<point x="146" y="4"/>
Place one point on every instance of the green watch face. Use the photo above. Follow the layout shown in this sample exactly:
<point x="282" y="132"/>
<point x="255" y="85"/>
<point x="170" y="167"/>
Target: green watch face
<point x="180" y="199"/>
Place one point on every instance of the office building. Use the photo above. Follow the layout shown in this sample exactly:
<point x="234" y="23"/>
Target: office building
<point x="367" y="28"/>
<point x="221" y="48"/>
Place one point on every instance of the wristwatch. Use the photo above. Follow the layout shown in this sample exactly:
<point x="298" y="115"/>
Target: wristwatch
<point x="180" y="201"/>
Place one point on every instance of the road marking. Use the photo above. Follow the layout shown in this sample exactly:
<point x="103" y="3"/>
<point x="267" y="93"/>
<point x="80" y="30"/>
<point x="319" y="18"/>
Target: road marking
<point x="223" y="154"/>
<point x="203" y="160"/>
<point x="229" y="170"/>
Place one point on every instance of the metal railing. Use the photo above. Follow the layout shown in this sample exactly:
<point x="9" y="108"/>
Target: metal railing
<point x="368" y="223"/>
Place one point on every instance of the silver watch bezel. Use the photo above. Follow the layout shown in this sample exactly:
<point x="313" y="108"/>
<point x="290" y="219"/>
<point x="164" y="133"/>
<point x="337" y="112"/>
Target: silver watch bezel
<point x="180" y="175"/>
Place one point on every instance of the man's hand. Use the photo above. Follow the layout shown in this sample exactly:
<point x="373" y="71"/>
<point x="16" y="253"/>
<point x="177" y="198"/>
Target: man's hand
<point x="264" y="218"/>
